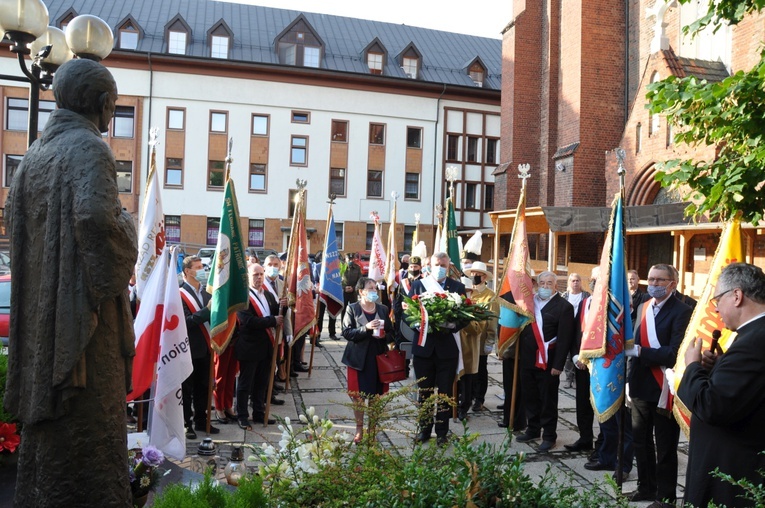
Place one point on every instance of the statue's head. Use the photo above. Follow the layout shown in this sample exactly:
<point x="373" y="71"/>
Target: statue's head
<point x="88" y="88"/>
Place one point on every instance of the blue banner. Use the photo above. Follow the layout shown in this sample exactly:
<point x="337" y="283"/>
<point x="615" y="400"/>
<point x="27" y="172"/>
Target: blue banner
<point x="330" y="284"/>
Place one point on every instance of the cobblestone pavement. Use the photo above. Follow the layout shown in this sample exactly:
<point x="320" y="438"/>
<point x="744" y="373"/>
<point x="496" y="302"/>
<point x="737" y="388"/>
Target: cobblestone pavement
<point x="325" y="391"/>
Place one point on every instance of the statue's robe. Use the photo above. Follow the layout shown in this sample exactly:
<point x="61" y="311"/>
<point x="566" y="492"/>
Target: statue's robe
<point x="73" y="250"/>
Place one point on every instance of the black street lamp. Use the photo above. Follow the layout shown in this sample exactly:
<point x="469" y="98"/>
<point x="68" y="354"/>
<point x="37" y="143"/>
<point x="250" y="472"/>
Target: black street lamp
<point x="25" y="24"/>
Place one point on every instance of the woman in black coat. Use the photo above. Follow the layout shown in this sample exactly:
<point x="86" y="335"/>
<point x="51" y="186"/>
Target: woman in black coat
<point x="368" y="329"/>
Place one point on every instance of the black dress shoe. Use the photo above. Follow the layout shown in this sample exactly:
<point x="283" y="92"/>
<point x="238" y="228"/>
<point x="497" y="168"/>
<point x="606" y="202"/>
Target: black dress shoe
<point x="190" y="434"/>
<point x="546" y="446"/>
<point x="462" y="415"/>
<point x="579" y="446"/>
<point x="597" y="466"/>
<point x="261" y="418"/>
<point x="442" y="440"/>
<point x="293" y="373"/>
<point x="503" y="425"/>
<point x="277" y="402"/>
<point x="593" y="457"/>
<point x="501" y="407"/>
<point x="332" y="336"/>
<point x="525" y="438"/>
<point x="639" y="495"/>
<point x="478" y="406"/>
<point x="422" y="437"/>
<point x="203" y="428"/>
<point x="299" y="368"/>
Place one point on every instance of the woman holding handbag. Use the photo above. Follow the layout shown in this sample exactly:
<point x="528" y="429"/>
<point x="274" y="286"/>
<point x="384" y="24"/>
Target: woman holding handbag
<point x="368" y="329"/>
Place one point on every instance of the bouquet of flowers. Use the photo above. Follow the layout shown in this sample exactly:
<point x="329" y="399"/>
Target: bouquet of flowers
<point x="445" y="311"/>
<point x="143" y="464"/>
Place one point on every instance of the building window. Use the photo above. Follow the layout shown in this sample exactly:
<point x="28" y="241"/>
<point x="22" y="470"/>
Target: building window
<point x="370" y="235"/>
<point x="213" y="225"/>
<point x="125" y="176"/>
<point x="376" y="134"/>
<point x="219" y="46"/>
<point x="259" y="125"/>
<point x="491" y="151"/>
<point x="470" y="189"/>
<point x="173" y="172"/>
<point x="655" y="123"/>
<point x="173" y="228"/>
<point x="128" y="36"/>
<point x="11" y="165"/>
<point x="488" y="197"/>
<point x="301" y="117"/>
<point x="299" y="151"/>
<point x="339" y="131"/>
<point x="216" y="175"/>
<point x="408" y="237"/>
<point x="638" y="137"/>
<point x="257" y="233"/>
<point x="176" y="43"/>
<point x="337" y="181"/>
<point x="292" y="198"/>
<point x="412" y="186"/>
<point x="176" y="119"/>
<point x="477" y="74"/>
<point x="218" y="121"/>
<point x="288" y="54"/>
<point x="339" y="235"/>
<point x="374" y="184"/>
<point x="375" y="63"/>
<point x="472" y="149"/>
<point x="452" y="147"/>
<point x="257" y="177"/>
<point x="123" y="122"/>
<point x="410" y="67"/>
<point x="311" y="56"/>
<point x="413" y="137"/>
<point x="17" y="116"/>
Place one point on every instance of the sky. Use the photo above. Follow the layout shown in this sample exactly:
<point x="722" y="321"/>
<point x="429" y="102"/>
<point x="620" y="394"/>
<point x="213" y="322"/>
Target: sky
<point x="485" y="18"/>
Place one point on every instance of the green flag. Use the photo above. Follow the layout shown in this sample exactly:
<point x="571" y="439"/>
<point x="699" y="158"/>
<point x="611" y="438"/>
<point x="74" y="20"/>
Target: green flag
<point x="452" y="244"/>
<point x="228" y="279"/>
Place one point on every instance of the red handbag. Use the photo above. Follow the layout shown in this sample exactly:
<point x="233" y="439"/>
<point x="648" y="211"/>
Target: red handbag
<point x="391" y="366"/>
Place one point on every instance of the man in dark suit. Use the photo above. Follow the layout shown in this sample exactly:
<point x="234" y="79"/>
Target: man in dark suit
<point x="196" y="387"/>
<point x="254" y="349"/>
<point x="544" y="347"/>
<point x="638" y="296"/>
<point x="436" y="362"/>
<point x="726" y="394"/>
<point x="659" y="330"/>
<point x="585" y="415"/>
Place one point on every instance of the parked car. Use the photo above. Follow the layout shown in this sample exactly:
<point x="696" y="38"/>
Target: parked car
<point x="264" y="253"/>
<point x="5" y="263"/>
<point x="206" y="254"/>
<point x="362" y="258"/>
<point x="5" y="309"/>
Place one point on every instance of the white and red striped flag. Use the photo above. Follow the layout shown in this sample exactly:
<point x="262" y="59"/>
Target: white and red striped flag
<point x="151" y="232"/>
<point x="377" y="254"/>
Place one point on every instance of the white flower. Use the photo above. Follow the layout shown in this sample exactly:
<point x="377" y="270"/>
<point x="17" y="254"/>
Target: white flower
<point x="310" y="412"/>
<point x="457" y="299"/>
<point x="303" y="419"/>
<point x="315" y="419"/>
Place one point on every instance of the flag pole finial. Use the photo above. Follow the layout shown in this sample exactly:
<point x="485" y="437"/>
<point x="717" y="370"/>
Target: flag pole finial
<point x="153" y="137"/>
<point x="451" y="174"/>
<point x="394" y="195"/>
<point x="620" y="170"/>
<point x="332" y="198"/>
<point x="523" y="173"/>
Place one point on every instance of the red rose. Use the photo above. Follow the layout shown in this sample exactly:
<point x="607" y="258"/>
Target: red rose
<point x="416" y="297"/>
<point x="9" y="440"/>
<point x="442" y="296"/>
<point x="468" y="301"/>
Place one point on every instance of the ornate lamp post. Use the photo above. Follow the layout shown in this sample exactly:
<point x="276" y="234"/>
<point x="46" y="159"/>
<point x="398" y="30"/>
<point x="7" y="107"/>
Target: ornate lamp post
<point x="25" y="24"/>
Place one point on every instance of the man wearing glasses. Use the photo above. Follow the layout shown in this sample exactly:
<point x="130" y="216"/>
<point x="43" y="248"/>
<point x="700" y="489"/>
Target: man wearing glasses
<point x="659" y="330"/>
<point x="726" y="394"/>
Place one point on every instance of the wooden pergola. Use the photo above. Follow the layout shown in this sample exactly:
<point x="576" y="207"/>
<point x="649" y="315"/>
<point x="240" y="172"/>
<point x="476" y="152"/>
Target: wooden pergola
<point x="537" y="223"/>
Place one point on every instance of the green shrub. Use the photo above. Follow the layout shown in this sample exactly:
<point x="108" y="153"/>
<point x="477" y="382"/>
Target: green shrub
<point x="208" y="494"/>
<point x="4" y="416"/>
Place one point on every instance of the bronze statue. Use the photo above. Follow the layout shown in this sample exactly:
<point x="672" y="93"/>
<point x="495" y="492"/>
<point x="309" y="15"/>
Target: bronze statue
<point x="73" y="250"/>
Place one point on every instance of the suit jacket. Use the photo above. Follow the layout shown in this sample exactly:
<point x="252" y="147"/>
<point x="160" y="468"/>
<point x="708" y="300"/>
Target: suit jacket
<point x="557" y="321"/>
<point x="576" y="342"/>
<point x="200" y="348"/>
<point x="441" y="344"/>
<point x="359" y="338"/>
<point x="637" y="298"/>
<point x="728" y="417"/>
<point x="671" y="322"/>
<point x="254" y="341"/>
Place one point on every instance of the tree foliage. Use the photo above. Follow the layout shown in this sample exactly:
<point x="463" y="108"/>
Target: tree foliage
<point x="729" y="115"/>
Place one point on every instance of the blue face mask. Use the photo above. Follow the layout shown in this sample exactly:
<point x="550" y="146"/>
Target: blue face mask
<point x="544" y="293"/>
<point x="439" y="272"/>
<point x="373" y="297"/>
<point x="657" y="291"/>
<point x="201" y="276"/>
<point x="272" y="272"/>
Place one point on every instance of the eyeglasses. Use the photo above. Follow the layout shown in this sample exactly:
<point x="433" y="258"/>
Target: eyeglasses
<point x="651" y="280"/>
<point x="715" y="299"/>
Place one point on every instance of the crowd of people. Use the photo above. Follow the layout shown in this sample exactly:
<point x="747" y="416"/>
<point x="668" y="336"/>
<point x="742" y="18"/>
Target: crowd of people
<point x="727" y="404"/>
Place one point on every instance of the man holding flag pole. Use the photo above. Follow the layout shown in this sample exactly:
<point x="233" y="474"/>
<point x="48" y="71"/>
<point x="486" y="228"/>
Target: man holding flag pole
<point x="227" y="284"/>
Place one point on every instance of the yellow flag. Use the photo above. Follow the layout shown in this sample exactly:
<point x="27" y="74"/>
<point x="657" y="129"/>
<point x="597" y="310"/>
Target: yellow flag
<point x="705" y="318"/>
